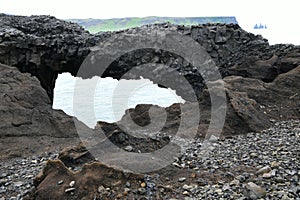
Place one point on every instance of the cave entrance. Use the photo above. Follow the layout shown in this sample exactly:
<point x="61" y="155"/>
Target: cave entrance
<point x="141" y="91"/>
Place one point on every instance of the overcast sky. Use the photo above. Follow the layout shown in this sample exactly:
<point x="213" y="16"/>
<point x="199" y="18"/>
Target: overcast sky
<point x="280" y="16"/>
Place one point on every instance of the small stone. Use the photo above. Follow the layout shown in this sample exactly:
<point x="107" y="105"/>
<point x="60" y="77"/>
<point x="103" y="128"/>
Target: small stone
<point x="127" y="184"/>
<point x="241" y="178"/>
<point x="3" y="181"/>
<point x="127" y="190"/>
<point x="185" y="193"/>
<point x="176" y="165"/>
<point x="253" y="191"/>
<point x="280" y="180"/>
<point x="213" y="138"/>
<point x="142" y="191"/>
<point x="229" y="174"/>
<point x="226" y="187"/>
<point x="128" y="148"/>
<point x="201" y="182"/>
<point x="275" y="164"/>
<point x="18" y="183"/>
<point x="72" y="184"/>
<point x="219" y="191"/>
<point x="269" y="174"/>
<point x="182" y="179"/>
<point x="234" y="182"/>
<point x="69" y="190"/>
<point x="187" y="187"/>
<point x="60" y="182"/>
<point x="254" y="155"/>
<point x="263" y="170"/>
<point x="143" y="184"/>
<point x="101" y="189"/>
<point x="34" y="161"/>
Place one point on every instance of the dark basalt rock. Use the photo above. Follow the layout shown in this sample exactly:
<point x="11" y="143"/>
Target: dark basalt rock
<point x="45" y="46"/>
<point x="261" y="84"/>
<point x="26" y="109"/>
<point x="252" y="105"/>
<point x="28" y="123"/>
<point x="259" y="78"/>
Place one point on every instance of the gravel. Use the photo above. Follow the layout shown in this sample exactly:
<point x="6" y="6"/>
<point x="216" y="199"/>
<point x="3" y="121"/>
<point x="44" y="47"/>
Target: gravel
<point x="262" y="165"/>
<point x="16" y="175"/>
<point x="268" y="162"/>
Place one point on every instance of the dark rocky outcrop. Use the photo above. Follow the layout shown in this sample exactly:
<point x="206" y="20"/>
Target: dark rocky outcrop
<point x="261" y="85"/>
<point x="45" y="46"/>
<point x="26" y="107"/>
<point x="252" y="105"/>
<point x="27" y="118"/>
<point x="90" y="183"/>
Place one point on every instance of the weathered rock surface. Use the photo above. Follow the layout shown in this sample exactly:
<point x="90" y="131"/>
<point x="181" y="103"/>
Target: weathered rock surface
<point x="45" y="46"/>
<point x="252" y="105"/>
<point x="95" y="180"/>
<point x="26" y="112"/>
<point x="26" y="107"/>
<point x="261" y="84"/>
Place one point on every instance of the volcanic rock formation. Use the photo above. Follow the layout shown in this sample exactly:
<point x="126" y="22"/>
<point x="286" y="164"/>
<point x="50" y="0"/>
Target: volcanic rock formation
<point x="45" y="46"/>
<point x="261" y="85"/>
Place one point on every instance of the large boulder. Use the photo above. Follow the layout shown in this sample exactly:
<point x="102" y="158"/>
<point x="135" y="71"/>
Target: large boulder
<point x="94" y="181"/>
<point x="27" y="117"/>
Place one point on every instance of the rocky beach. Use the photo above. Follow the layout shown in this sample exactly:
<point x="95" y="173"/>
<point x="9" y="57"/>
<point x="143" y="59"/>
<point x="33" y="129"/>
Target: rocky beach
<point x="251" y="166"/>
<point x="255" y="156"/>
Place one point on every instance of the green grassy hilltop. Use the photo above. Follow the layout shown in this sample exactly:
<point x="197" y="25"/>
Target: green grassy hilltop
<point x="97" y="25"/>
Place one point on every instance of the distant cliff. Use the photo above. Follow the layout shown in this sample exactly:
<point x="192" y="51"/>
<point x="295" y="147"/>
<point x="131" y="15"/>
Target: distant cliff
<point x="97" y="25"/>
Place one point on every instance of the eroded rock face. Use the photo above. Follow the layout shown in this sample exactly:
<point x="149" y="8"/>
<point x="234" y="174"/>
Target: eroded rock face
<point x="251" y="107"/>
<point x="90" y="183"/>
<point x="259" y="79"/>
<point x="26" y="109"/>
<point x="45" y="46"/>
<point x="27" y="117"/>
<point x="261" y="85"/>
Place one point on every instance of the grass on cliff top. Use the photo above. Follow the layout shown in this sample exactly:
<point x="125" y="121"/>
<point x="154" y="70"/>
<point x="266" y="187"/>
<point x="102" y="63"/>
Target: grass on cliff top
<point x="101" y="25"/>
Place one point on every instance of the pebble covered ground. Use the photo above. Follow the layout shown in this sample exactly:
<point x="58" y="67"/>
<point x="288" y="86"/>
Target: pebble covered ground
<point x="16" y="175"/>
<point x="262" y="165"/>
